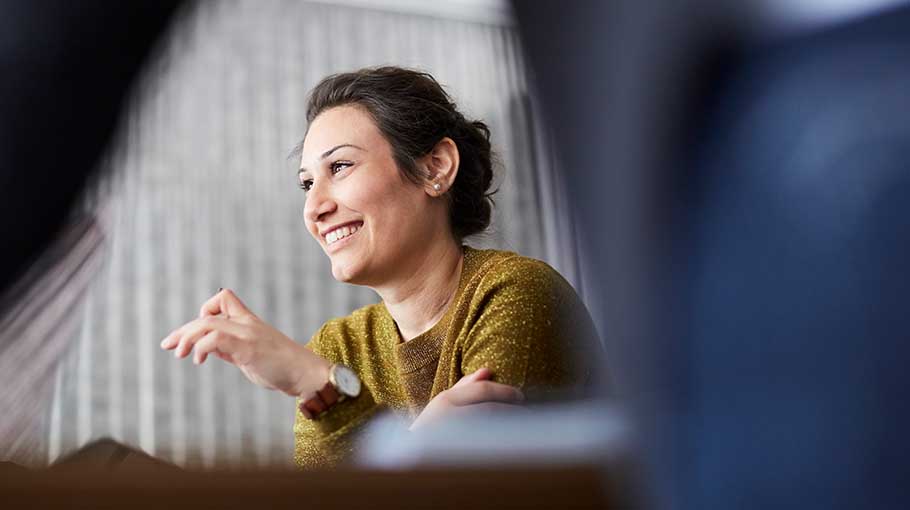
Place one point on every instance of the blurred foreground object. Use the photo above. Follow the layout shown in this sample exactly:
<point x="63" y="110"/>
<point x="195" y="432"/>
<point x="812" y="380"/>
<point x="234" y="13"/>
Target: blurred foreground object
<point x="576" y="433"/>
<point x="107" y="454"/>
<point x="744" y="199"/>
<point x="38" y="317"/>
<point x="580" y="433"/>
<point x="66" y="69"/>
<point x="105" y="474"/>
<point x="797" y="281"/>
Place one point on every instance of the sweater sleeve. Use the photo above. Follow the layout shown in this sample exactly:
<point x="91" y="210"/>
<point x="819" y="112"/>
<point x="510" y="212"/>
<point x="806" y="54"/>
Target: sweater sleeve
<point x="329" y="440"/>
<point x="530" y="328"/>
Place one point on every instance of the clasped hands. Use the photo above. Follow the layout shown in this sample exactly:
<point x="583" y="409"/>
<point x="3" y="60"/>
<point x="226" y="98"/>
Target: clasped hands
<point x="227" y="329"/>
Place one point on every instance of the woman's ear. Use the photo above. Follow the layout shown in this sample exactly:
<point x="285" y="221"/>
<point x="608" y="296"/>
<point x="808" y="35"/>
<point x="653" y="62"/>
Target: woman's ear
<point x="442" y="167"/>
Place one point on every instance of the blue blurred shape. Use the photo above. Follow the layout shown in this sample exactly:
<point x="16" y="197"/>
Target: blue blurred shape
<point x="798" y="323"/>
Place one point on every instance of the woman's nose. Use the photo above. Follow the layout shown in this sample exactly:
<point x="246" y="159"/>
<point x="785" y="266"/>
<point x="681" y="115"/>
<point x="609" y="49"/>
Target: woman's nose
<point x="319" y="203"/>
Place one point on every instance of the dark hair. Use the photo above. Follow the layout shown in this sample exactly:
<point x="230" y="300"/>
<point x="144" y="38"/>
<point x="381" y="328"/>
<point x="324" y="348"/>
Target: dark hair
<point x="414" y="113"/>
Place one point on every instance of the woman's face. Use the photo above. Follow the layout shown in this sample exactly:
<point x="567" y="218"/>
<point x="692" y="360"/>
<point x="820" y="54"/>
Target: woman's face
<point x="367" y="217"/>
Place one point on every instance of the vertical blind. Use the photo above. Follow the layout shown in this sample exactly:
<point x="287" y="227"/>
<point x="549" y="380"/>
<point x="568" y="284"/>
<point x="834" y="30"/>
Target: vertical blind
<point x="200" y="194"/>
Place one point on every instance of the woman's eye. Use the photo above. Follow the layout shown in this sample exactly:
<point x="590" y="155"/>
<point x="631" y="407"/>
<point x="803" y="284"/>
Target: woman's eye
<point x="306" y="184"/>
<point x="339" y="166"/>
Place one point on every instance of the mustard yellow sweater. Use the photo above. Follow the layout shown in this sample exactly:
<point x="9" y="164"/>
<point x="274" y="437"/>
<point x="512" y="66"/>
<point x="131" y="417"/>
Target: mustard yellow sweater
<point x="512" y="314"/>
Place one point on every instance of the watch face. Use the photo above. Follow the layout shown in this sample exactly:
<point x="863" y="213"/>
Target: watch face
<point x="347" y="381"/>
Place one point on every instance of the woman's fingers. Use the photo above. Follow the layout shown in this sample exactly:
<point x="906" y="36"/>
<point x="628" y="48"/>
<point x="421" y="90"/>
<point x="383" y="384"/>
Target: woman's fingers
<point x="173" y="338"/>
<point x="216" y="342"/>
<point x="224" y="302"/>
<point x="187" y="340"/>
<point x="204" y="346"/>
<point x="183" y="338"/>
<point x="476" y="387"/>
<point x="481" y="374"/>
<point x="483" y="391"/>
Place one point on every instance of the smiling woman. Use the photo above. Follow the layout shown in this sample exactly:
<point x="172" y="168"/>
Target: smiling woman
<point x="356" y="183"/>
<point x="395" y="178"/>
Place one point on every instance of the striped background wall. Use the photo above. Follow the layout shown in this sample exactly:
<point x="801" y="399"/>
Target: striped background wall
<point x="200" y="195"/>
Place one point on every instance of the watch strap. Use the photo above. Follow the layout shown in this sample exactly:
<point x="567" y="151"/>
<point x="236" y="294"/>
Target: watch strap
<point x="320" y="402"/>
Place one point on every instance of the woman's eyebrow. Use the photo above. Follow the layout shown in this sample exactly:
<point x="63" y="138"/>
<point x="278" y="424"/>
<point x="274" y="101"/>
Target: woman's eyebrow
<point x="330" y="151"/>
<point x="335" y="148"/>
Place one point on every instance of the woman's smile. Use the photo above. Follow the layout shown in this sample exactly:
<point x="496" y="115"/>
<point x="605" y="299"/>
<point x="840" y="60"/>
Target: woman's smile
<point x="340" y="236"/>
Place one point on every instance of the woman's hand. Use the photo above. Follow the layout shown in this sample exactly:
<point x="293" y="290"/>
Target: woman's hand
<point x="229" y="330"/>
<point x="472" y="392"/>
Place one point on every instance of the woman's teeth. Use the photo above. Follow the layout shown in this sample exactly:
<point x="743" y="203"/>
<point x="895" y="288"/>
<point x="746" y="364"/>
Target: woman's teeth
<point x="339" y="233"/>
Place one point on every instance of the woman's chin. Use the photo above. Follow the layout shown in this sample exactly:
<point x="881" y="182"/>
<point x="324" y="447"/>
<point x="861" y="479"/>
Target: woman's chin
<point x="343" y="272"/>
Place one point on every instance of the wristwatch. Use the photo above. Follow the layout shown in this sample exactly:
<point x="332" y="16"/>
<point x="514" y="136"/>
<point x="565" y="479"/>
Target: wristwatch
<point x="343" y="383"/>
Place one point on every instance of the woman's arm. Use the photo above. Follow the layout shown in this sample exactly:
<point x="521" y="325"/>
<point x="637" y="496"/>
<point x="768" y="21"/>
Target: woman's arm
<point x="268" y="358"/>
<point x="227" y="329"/>
<point x="472" y="393"/>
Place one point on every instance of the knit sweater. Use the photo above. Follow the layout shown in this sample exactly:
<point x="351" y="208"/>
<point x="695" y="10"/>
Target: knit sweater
<point x="512" y="314"/>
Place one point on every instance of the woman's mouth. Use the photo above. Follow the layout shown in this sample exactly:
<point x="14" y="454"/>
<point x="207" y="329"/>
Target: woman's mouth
<point x="343" y="232"/>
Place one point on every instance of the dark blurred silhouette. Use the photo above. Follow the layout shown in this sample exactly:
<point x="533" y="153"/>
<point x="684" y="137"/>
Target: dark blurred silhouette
<point x="66" y="69"/>
<point x="745" y="206"/>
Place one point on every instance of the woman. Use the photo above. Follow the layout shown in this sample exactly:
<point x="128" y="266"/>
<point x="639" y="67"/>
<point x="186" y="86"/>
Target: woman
<point x="395" y="177"/>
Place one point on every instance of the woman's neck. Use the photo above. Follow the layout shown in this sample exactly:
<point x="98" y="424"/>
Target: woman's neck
<point x="419" y="301"/>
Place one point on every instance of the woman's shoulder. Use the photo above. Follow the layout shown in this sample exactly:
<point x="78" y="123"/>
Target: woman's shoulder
<point x="498" y="269"/>
<point x="521" y="287"/>
<point x="521" y="308"/>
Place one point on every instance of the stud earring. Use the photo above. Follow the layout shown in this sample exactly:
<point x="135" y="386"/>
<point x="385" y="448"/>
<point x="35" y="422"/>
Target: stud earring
<point x="436" y="186"/>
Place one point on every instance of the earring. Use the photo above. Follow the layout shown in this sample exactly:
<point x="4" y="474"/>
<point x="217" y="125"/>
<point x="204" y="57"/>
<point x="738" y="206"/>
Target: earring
<point x="437" y="186"/>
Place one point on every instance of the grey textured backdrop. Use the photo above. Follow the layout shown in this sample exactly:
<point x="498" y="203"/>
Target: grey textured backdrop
<point x="200" y="195"/>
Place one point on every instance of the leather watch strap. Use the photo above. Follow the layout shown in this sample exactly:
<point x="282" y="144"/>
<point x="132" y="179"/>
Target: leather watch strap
<point x="320" y="402"/>
<point x="329" y="395"/>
